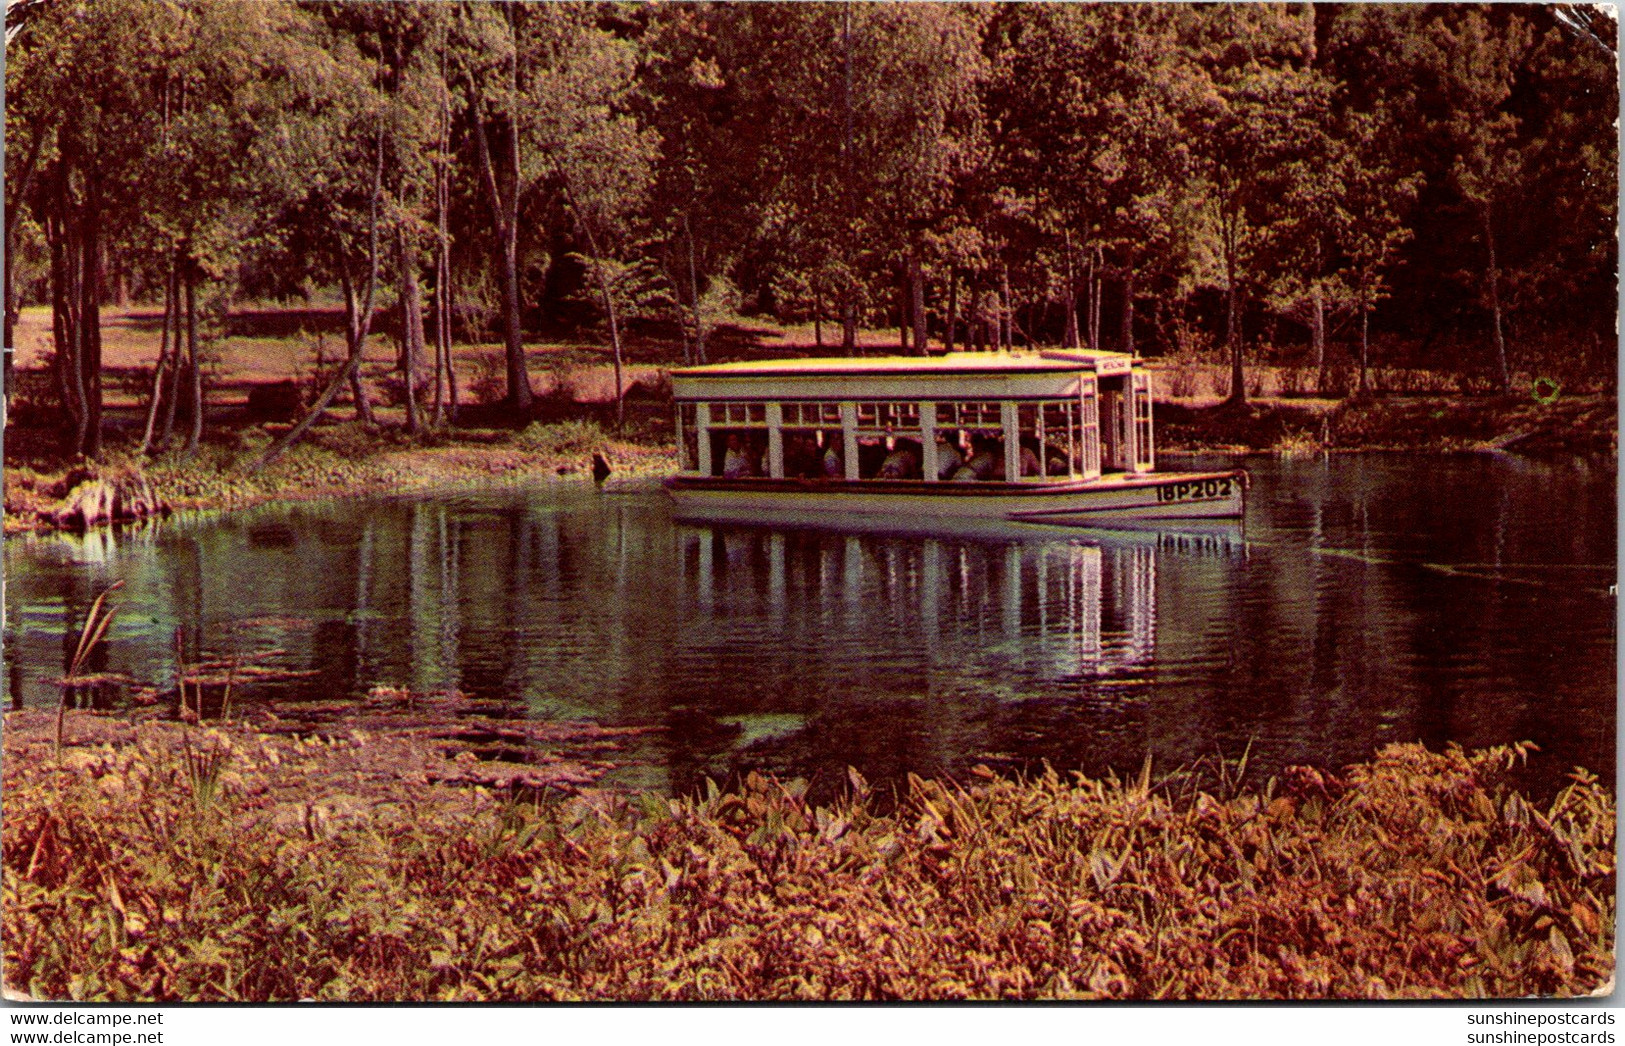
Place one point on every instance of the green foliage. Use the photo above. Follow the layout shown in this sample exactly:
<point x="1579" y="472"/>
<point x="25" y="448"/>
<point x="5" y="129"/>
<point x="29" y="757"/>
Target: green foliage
<point x="1419" y="875"/>
<point x="563" y="439"/>
<point x="1038" y="164"/>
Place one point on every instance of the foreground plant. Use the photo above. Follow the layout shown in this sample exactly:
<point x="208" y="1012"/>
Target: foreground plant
<point x="1416" y="875"/>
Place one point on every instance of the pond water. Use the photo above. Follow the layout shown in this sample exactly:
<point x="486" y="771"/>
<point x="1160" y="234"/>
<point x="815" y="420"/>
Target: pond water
<point x="1369" y="599"/>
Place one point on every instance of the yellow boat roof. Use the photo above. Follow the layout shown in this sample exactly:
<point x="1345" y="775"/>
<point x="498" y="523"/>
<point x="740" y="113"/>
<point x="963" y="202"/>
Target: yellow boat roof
<point x="1047" y="361"/>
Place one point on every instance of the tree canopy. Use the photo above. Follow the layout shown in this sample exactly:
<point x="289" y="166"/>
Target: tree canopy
<point x="1328" y="184"/>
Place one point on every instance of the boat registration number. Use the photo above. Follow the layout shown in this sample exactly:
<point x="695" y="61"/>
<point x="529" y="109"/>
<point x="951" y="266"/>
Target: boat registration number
<point x="1196" y="489"/>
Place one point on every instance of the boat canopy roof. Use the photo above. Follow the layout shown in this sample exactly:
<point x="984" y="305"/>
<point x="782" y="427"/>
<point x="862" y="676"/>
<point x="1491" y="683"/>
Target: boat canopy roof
<point x="957" y="375"/>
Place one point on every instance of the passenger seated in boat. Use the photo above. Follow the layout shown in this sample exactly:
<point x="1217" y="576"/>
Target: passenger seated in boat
<point x="1055" y="464"/>
<point x="736" y="463"/>
<point x="986" y="460"/>
<point x="902" y="463"/>
<point x="801" y="457"/>
<point x="948" y="457"/>
<point x="1029" y="458"/>
<point x="834" y="467"/>
<point x="872" y="454"/>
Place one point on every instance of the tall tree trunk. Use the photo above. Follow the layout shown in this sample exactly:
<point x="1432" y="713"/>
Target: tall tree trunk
<point x="121" y="284"/>
<point x="448" y="312"/>
<point x="355" y="348"/>
<point x="64" y="318"/>
<point x="694" y="293"/>
<point x="196" y="435"/>
<point x="1232" y="329"/>
<point x="177" y="371"/>
<point x="505" y="219"/>
<point x="916" y="275"/>
<point x="615" y="346"/>
<point x="904" y="317"/>
<point x="1088" y="332"/>
<point x="849" y="304"/>
<point x="1006" y="335"/>
<point x="90" y="318"/>
<point x="411" y="298"/>
<point x="1317" y="334"/>
<point x="1365" y="341"/>
<point x="165" y="361"/>
<point x="1069" y="297"/>
<point x="442" y="258"/>
<point x="442" y="354"/>
<point x="1128" y="313"/>
<point x="953" y="310"/>
<point x="818" y="318"/>
<point x="520" y="396"/>
<point x="1094" y="299"/>
<point x="1495" y="302"/>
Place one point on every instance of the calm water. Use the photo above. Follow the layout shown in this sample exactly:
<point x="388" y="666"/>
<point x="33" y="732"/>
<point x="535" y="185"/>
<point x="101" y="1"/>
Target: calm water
<point x="1370" y="599"/>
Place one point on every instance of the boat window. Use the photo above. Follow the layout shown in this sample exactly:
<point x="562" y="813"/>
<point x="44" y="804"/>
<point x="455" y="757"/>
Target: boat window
<point x="1142" y="420"/>
<point x="1049" y="441"/>
<point x="1063" y="450"/>
<point x="889" y="457"/>
<point x="688" y="438"/>
<point x="811" y="415"/>
<point x="979" y="415"/>
<point x="738" y="453"/>
<point x="812" y="454"/>
<point x="887" y="417"/>
<point x="736" y="414"/>
<point x="1089" y="428"/>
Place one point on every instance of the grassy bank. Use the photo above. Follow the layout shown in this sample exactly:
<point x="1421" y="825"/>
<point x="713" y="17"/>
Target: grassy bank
<point x="343" y="460"/>
<point x="136" y="868"/>
<point x="349" y="459"/>
<point x="1586" y="425"/>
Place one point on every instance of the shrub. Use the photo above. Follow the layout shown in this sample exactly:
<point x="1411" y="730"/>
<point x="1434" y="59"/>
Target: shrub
<point x="490" y="382"/>
<point x="1419" y="874"/>
<point x="560" y="438"/>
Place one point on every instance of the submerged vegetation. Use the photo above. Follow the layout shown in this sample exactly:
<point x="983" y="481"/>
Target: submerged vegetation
<point x="168" y="862"/>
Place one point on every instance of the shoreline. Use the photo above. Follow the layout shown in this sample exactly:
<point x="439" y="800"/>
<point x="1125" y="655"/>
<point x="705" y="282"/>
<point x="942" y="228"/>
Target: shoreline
<point x="345" y="460"/>
<point x="344" y="870"/>
<point x="316" y="471"/>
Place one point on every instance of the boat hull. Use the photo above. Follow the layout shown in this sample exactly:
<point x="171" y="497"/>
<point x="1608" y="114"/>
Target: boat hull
<point x="1109" y="501"/>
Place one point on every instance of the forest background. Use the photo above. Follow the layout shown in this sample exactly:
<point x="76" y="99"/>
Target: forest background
<point x="1365" y="192"/>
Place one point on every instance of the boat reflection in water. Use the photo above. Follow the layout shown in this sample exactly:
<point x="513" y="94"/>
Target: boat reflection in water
<point x="928" y="653"/>
<point x="796" y="650"/>
<point x="1036" y="602"/>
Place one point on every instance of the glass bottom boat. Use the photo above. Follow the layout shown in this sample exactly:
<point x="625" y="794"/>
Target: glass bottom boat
<point x="1058" y="438"/>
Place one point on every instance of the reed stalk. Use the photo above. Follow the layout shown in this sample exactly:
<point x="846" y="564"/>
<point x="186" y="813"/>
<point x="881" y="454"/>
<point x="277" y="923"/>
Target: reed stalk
<point x="92" y="633"/>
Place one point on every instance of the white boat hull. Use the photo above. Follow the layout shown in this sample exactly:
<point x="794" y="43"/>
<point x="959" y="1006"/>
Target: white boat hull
<point x="1080" y="503"/>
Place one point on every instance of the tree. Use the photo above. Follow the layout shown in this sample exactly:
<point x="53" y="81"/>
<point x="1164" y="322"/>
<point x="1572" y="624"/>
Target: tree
<point x="494" y="76"/>
<point x="1259" y="107"/>
<point x="705" y="201"/>
<point x="871" y="116"/>
<point x="75" y="90"/>
<point x="1476" y="64"/>
<point x="1341" y="222"/>
<point x="1086" y="100"/>
<point x="342" y="216"/>
<point x="593" y="152"/>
